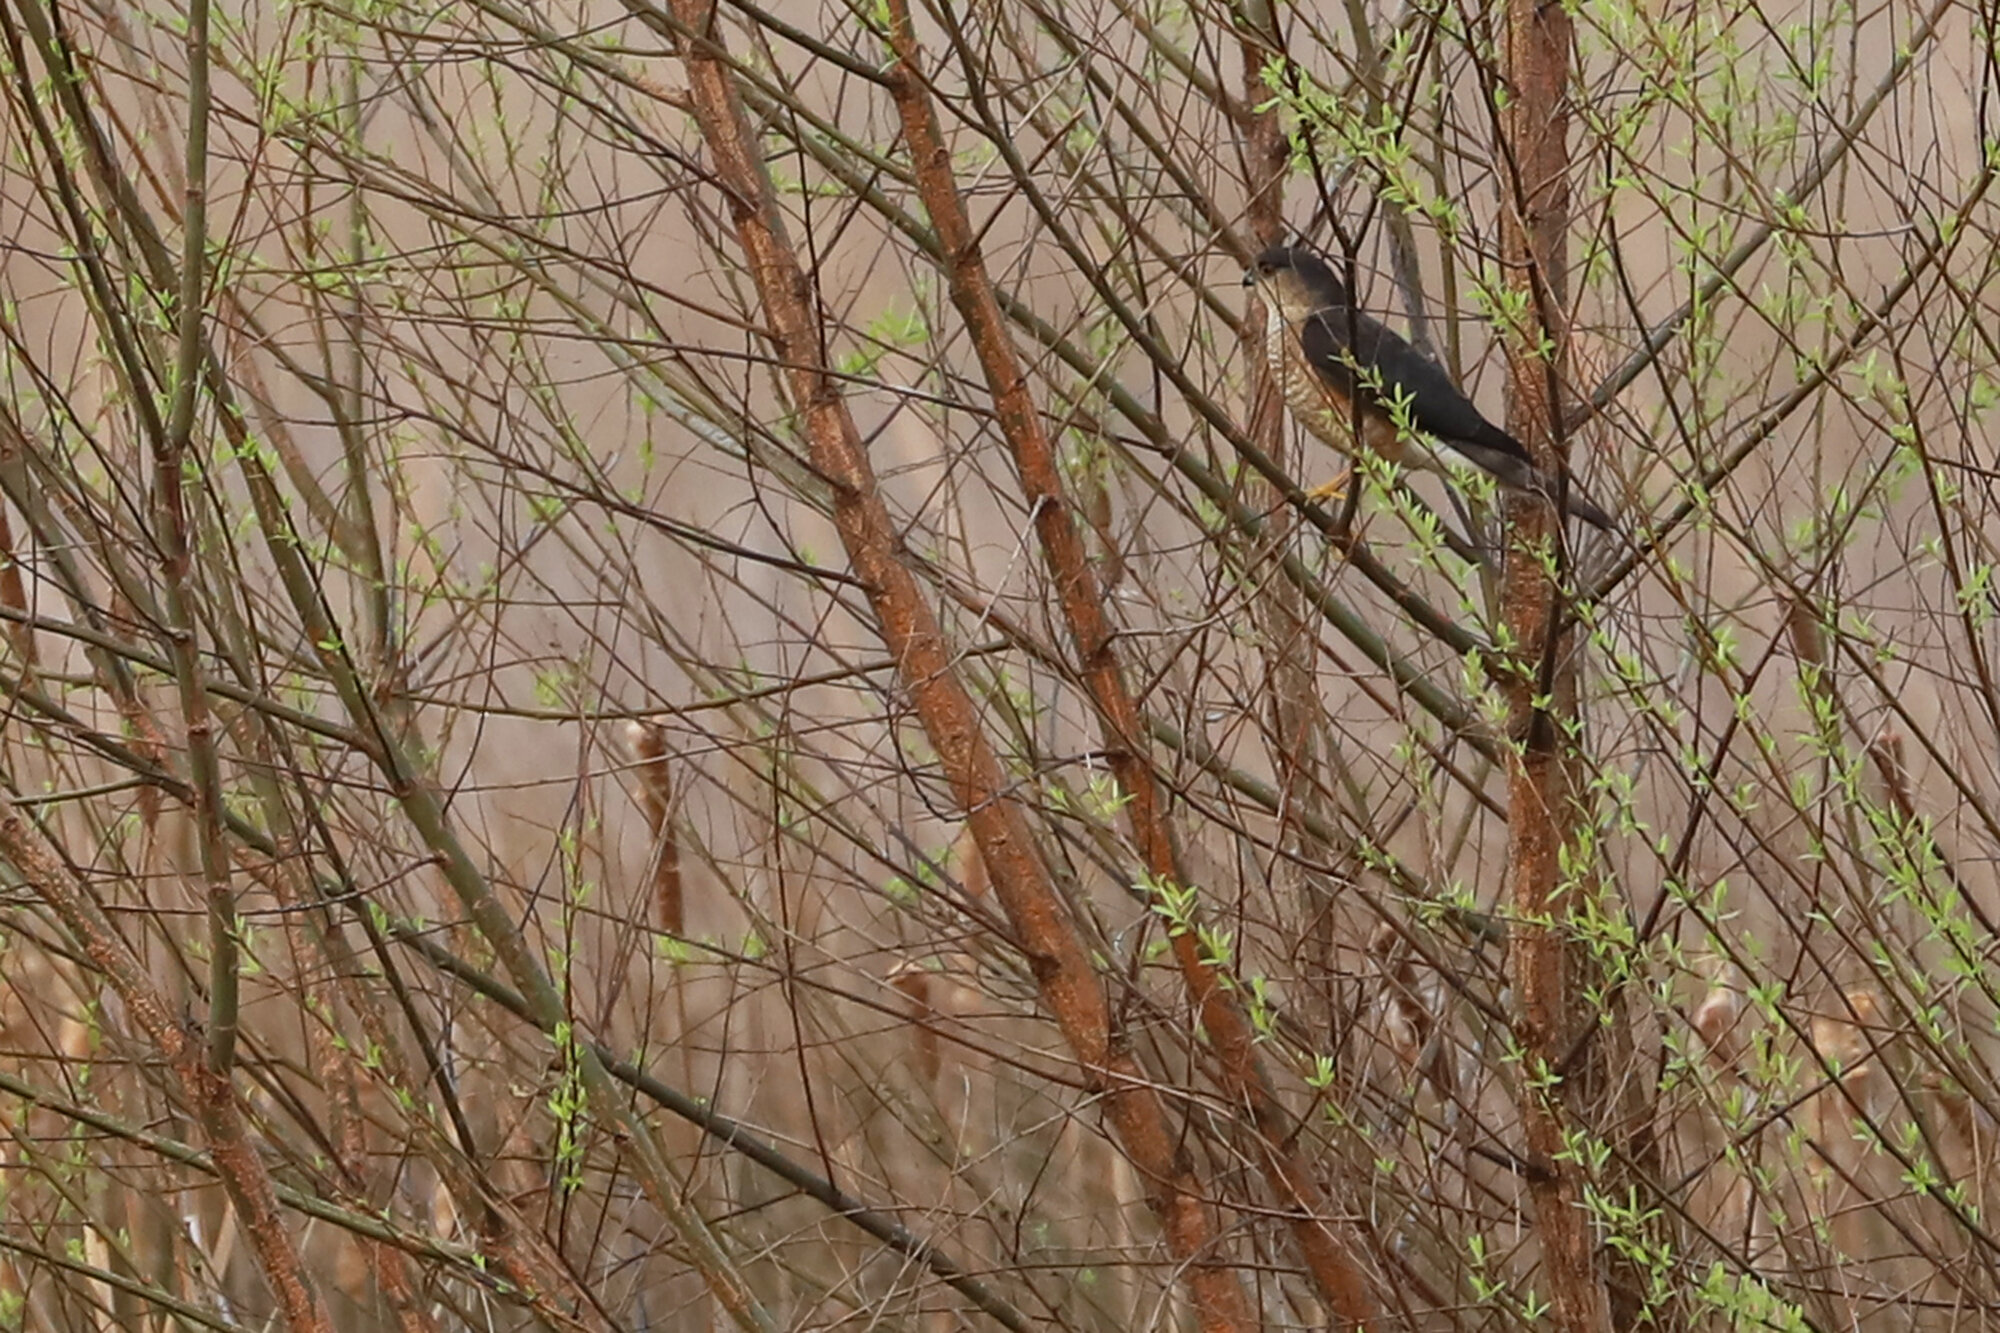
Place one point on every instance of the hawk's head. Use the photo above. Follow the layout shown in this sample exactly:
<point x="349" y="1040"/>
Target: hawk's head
<point x="1295" y="282"/>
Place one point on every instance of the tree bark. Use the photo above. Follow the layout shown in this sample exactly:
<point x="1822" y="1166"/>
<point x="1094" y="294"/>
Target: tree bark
<point x="1545" y="964"/>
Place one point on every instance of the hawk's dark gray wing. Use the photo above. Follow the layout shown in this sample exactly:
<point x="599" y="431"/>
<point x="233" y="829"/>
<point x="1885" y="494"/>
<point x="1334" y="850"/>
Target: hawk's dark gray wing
<point x="1337" y="340"/>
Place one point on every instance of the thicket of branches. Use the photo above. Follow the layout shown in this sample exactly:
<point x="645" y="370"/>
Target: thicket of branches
<point x="668" y="665"/>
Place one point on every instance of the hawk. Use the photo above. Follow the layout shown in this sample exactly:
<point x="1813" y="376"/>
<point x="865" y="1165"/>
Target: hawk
<point x="1342" y="369"/>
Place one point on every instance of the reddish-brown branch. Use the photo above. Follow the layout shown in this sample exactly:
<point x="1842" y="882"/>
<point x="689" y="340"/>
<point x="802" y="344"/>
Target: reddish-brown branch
<point x="14" y="595"/>
<point x="648" y="744"/>
<point x="1288" y="634"/>
<point x="1068" y="984"/>
<point x="204" y="1088"/>
<point x="1541" y="956"/>
<point x="1328" y="1256"/>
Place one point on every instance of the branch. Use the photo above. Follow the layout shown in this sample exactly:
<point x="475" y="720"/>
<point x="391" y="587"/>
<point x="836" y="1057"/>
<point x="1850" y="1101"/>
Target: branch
<point x="1328" y="1255"/>
<point x="1067" y="981"/>
<point x="209" y="1091"/>
<point x="1793" y="194"/>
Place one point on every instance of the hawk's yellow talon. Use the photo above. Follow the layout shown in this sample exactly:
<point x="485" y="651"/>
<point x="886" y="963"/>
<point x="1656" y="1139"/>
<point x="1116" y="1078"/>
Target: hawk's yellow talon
<point x="1327" y="492"/>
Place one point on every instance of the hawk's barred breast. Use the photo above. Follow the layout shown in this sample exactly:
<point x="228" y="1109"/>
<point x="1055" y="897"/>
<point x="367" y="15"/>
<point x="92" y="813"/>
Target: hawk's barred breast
<point x="1314" y="403"/>
<point x="1297" y="381"/>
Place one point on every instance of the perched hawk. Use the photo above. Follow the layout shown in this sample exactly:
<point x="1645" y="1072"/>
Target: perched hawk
<point x="1340" y="367"/>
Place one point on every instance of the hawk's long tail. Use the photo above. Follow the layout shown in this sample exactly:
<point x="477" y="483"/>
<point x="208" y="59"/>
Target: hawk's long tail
<point x="1509" y="469"/>
<point x="1579" y="506"/>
